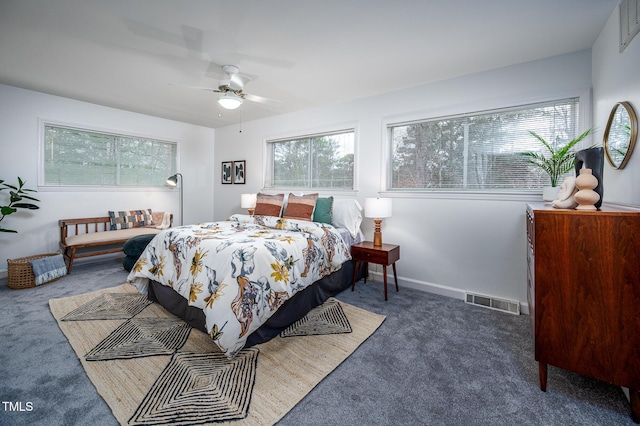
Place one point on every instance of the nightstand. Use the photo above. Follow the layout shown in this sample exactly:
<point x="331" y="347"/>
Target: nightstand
<point x="385" y="255"/>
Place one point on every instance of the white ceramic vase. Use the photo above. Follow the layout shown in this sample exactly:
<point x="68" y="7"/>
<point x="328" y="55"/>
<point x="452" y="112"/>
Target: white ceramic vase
<point x="586" y="197"/>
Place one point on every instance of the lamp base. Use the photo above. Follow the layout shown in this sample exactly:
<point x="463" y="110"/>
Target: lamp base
<point x="250" y="212"/>
<point x="377" y="234"/>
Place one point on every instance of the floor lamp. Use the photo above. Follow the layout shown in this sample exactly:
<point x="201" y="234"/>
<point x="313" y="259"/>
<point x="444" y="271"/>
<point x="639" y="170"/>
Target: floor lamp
<point x="173" y="182"/>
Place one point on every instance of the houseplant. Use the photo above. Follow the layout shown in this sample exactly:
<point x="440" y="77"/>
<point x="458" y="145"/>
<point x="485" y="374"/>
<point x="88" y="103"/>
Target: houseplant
<point x="16" y="196"/>
<point x="557" y="162"/>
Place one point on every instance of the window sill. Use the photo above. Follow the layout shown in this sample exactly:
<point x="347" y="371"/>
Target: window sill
<point x="72" y="188"/>
<point x="321" y="192"/>
<point x="465" y="195"/>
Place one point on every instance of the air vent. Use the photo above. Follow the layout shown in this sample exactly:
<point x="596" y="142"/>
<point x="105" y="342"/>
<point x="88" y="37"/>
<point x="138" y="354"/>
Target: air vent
<point x="629" y="22"/>
<point x="493" y="303"/>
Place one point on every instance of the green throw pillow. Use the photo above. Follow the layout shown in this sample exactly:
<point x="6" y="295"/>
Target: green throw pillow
<point x="322" y="213"/>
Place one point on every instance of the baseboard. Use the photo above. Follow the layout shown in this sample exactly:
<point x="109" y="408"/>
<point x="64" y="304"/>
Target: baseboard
<point x="428" y="287"/>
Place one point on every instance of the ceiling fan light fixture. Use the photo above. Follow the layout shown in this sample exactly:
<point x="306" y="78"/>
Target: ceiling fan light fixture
<point x="230" y="101"/>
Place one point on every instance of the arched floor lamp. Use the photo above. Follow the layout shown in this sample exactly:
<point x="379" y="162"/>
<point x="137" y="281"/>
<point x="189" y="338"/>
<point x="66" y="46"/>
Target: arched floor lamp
<point x="173" y="181"/>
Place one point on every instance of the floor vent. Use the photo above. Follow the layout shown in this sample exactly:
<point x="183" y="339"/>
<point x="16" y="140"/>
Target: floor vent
<point x="492" y="303"/>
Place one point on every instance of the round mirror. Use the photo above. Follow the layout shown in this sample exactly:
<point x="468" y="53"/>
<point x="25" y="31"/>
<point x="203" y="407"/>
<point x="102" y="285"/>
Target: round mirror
<point x="620" y="135"/>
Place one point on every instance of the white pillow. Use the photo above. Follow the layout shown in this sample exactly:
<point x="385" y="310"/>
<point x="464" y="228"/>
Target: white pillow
<point x="347" y="214"/>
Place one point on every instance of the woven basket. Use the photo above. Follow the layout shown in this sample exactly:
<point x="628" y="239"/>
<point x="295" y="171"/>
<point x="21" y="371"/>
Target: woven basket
<point x="20" y="272"/>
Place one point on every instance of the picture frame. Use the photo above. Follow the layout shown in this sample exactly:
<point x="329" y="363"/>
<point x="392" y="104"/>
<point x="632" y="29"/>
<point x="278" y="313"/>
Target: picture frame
<point x="227" y="172"/>
<point x="239" y="172"/>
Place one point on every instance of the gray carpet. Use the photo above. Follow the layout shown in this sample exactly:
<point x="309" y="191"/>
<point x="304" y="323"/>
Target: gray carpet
<point x="434" y="361"/>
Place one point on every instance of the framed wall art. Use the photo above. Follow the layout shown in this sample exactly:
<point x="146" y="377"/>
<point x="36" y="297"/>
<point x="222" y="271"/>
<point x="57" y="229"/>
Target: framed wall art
<point x="227" y="172"/>
<point x="239" y="171"/>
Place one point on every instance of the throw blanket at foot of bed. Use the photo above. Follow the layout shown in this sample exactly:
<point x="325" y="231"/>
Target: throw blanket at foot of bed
<point x="239" y="272"/>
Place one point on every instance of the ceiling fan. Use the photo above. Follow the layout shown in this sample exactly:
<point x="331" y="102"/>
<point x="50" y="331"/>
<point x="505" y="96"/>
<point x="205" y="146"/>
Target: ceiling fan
<point x="232" y="89"/>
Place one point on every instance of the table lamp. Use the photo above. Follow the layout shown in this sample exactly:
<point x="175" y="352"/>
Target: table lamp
<point x="377" y="208"/>
<point x="248" y="201"/>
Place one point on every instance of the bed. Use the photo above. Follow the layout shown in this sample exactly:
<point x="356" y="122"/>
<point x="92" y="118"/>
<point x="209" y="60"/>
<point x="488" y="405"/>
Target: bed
<point x="245" y="279"/>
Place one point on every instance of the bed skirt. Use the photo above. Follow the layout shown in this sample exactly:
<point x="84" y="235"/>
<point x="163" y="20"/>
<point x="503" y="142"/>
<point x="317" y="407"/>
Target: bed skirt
<point x="291" y="311"/>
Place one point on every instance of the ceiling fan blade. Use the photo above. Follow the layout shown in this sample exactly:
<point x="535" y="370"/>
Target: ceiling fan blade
<point x="193" y="41"/>
<point x="238" y="81"/>
<point x="262" y="100"/>
<point x="210" y="89"/>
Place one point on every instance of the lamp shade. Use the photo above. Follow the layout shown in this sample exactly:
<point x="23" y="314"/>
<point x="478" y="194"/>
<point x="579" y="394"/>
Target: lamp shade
<point x="172" y="180"/>
<point x="248" y="201"/>
<point x="230" y="101"/>
<point x="377" y="207"/>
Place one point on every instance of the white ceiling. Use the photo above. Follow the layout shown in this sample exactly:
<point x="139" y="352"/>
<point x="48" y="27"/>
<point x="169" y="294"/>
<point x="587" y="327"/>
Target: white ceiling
<point x="138" y="54"/>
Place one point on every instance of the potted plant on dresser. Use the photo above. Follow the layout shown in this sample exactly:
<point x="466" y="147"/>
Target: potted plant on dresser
<point x="555" y="163"/>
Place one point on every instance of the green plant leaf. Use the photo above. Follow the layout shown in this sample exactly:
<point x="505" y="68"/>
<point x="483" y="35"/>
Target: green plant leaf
<point x="559" y="162"/>
<point x="10" y="186"/>
<point x="30" y="198"/>
<point x="5" y="210"/>
<point x="16" y="194"/>
<point x="26" y="206"/>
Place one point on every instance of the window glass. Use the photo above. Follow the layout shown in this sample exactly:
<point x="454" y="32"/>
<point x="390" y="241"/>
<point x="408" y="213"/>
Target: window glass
<point x="79" y="157"/>
<point x="479" y="151"/>
<point x="318" y="161"/>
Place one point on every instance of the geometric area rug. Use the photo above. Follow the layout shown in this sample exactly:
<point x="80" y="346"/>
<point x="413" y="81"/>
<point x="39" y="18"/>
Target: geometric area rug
<point x="153" y="369"/>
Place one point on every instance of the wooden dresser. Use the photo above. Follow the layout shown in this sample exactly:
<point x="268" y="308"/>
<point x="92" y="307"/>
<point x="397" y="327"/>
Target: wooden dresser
<point x="584" y="293"/>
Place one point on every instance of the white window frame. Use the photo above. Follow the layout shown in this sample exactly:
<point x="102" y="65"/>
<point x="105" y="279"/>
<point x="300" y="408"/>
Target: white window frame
<point x="326" y="130"/>
<point x="585" y="122"/>
<point x="43" y="187"/>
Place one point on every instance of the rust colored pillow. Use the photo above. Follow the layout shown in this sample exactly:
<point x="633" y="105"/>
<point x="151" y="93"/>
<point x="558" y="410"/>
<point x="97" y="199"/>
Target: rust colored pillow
<point x="300" y="207"/>
<point x="268" y="205"/>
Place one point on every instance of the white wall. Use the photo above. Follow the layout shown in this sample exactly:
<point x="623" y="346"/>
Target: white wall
<point x="38" y="232"/>
<point x="447" y="245"/>
<point x="616" y="79"/>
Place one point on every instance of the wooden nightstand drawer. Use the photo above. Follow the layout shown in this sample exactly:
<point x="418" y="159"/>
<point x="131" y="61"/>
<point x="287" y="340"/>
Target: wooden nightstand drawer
<point x="366" y="252"/>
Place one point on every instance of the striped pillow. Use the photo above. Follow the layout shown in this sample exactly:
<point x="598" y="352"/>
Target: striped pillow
<point x="300" y="207"/>
<point x="130" y="219"/>
<point x="268" y="205"/>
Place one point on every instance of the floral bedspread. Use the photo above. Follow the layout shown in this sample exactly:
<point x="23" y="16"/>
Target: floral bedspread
<point x="242" y="270"/>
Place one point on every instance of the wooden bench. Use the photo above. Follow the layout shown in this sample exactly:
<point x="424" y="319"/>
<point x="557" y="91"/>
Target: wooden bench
<point x="93" y="236"/>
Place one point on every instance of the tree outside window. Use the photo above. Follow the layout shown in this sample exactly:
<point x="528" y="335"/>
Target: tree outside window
<point x="80" y="157"/>
<point x="480" y="151"/>
<point x="318" y="161"/>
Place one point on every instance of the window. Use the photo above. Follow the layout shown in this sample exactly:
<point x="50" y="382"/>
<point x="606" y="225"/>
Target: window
<point x="316" y="161"/>
<point x="479" y="151"/>
<point x="78" y="157"/>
